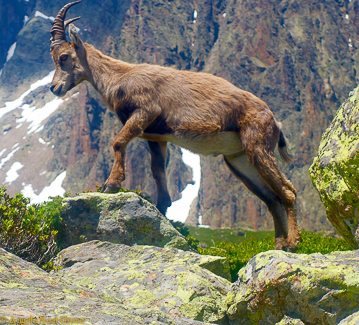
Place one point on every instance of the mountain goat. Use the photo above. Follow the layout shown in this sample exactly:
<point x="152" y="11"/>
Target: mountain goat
<point x="197" y="111"/>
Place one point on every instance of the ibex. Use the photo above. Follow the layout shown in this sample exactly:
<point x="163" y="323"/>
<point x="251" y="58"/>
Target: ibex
<point x="197" y="111"/>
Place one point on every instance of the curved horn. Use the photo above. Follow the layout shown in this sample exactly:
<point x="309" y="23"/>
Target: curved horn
<point x="70" y="21"/>
<point x="58" y="27"/>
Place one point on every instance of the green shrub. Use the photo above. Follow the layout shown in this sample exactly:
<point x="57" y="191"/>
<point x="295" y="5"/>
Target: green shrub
<point x="239" y="255"/>
<point x="180" y="227"/>
<point x="318" y="243"/>
<point x="29" y="231"/>
<point x="193" y="242"/>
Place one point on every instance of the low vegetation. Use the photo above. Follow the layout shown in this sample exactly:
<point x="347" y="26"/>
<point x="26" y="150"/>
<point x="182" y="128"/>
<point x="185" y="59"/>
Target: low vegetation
<point x="30" y="231"/>
<point x="239" y="255"/>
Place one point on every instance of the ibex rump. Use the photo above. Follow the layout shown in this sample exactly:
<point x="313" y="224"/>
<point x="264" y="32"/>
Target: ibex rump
<point x="197" y="111"/>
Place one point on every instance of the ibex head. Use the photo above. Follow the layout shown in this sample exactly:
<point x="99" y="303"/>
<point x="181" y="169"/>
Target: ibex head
<point x="69" y="58"/>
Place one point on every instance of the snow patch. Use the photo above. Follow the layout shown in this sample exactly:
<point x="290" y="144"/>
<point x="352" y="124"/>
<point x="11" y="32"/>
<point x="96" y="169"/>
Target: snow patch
<point x="54" y="189"/>
<point x="11" y="51"/>
<point x="12" y="174"/>
<point x="39" y="129"/>
<point x="346" y="16"/>
<point x="8" y="157"/>
<point x="224" y="15"/>
<point x="42" y="141"/>
<point x="19" y="126"/>
<point x="26" y="19"/>
<point x="15" y="145"/>
<point x="195" y="14"/>
<point x="41" y="15"/>
<point x="43" y="173"/>
<point x="9" y="55"/>
<point x="179" y="209"/>
<point x="37" y="116"/>
<point x="2" y="152"/>
<point x="200" y="223"/>
<point x="10" y="106"/>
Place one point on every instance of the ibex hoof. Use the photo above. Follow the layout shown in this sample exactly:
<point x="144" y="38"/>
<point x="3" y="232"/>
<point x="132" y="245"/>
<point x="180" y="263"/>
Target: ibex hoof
<point x="108" y="188"/>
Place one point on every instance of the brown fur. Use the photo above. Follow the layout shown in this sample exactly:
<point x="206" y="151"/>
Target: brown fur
<point x="198" y="111"/>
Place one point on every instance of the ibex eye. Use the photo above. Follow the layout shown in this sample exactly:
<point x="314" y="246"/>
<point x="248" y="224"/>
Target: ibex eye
<point x="63" y="57"/>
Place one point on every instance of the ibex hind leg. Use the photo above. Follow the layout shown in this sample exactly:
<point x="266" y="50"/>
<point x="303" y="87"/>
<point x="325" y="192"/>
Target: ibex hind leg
<point x="264" y="161"/>
<point x="158" y="151"/>
<point x="249" y="175"/>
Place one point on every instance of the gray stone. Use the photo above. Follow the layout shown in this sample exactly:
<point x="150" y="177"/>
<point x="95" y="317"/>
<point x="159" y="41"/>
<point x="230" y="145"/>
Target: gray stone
<point x="312" y="289"/>
<point x="175" y="282"/>
<point x="28" y="292"/>
<point x="123" y="218"/>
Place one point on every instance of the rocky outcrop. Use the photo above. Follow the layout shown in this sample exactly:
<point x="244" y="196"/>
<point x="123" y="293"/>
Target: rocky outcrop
<point x="335" y="172"/>
<point x="28" y="293"/>
<point x="282" y="52"/>
<point x="123" y="218"/>
<point x="120" y="284"/>
<point x="283" y="288"/>
<point x="176" y="283"/>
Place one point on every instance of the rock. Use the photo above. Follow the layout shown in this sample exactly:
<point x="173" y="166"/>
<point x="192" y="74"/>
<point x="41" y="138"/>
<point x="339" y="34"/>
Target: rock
<point x="175" y="282"/>
<point x="123" y="218"/>
<point x="312" y="289"/>
<point x="351" y="320"/>
<point x="107" y="283"/>
<point x="290" y="321"/>
<point x="6" y="127"/>
<point x="27" y="292"/>
<point x="335" y="171"/>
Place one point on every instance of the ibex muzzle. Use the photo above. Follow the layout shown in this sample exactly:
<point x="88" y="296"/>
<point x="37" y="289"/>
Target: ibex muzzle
<point x="197" y="111"/>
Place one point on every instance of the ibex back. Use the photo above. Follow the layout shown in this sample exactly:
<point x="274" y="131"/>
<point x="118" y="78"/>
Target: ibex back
<point x="197" y="111"/>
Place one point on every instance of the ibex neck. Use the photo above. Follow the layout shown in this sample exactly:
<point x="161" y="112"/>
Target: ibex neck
<point x="104" y="73"/>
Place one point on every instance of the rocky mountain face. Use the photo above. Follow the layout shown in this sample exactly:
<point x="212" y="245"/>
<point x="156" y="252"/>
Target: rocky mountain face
<point x="298" y="56"/>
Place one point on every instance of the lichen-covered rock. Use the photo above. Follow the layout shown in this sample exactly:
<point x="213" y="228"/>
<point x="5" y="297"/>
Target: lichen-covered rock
<point x="351" y="320"/>
<point x="123" y="218"/>
<point x="315" y="289"/>
<point x="290" y="321"/>
<point x="174" y="281"/>
<point x="28" y="292"/>
<point x="335" y="170"/>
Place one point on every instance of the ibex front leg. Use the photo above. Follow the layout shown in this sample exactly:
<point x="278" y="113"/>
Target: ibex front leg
<point x="134" y="126"/>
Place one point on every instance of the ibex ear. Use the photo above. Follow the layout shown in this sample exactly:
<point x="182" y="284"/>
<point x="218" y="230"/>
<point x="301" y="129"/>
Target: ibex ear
<point x="75" y="38"/>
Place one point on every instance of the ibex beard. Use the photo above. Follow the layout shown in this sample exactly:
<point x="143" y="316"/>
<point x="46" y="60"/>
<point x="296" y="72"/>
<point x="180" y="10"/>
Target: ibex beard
<point x="197" y="111"/>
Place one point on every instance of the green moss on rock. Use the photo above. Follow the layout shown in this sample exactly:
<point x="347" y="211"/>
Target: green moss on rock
<point x="335" y="170"/>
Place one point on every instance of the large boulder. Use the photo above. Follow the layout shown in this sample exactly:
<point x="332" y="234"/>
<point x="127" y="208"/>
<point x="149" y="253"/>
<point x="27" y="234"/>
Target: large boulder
<point x="335" y="170"/>
<point x="28" y="293"/>
<point x="284" y="288"/>
<point x="175" y="282"/>
<point x="122" y="218"/>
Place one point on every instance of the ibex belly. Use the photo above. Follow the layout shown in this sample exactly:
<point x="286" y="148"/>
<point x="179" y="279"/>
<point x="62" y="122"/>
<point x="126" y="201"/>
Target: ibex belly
<point x="226" y="143"/>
